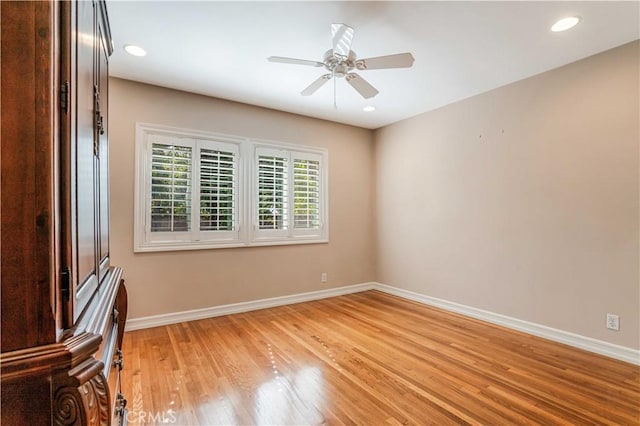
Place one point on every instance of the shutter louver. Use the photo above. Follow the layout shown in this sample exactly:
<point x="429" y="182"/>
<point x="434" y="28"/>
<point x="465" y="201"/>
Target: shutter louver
<point x="217" y="197"/>
<point x="306" y="194"/>
<point x="170" y="188"/>
<point x="272" y="192"/>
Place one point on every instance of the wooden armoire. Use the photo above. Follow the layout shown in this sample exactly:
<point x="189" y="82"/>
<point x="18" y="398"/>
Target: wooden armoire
<point x="63" y="304"/>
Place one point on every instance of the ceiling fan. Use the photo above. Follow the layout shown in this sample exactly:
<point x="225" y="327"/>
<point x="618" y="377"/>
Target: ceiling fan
<point x="341" y="61"/>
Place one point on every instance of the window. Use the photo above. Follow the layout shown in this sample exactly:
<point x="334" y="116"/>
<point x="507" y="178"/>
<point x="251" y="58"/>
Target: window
<point x="190" y="191"/>
<point x="202" y="190"/>
<point x="288" y="188"/>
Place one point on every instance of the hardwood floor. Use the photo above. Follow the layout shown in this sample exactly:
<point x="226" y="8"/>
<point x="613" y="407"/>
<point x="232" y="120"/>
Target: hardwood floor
<point x="371" y="359"/>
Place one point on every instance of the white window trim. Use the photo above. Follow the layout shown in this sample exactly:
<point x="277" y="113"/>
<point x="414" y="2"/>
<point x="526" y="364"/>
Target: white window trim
<point x="247" y="232"/>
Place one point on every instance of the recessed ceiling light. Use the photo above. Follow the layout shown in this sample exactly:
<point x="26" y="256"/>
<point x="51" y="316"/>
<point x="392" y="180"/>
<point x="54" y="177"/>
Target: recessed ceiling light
<point x="565" y="23"/>
<point x="369" y="108"/>
<point x="134" y="50"/>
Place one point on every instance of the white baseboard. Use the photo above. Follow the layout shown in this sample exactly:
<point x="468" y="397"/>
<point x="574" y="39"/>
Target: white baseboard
<point x="235" y="308"/>
<point x="597" y="346"/>
<point x="592" y="345"/>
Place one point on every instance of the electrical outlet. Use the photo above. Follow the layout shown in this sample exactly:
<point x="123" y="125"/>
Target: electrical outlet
<point x="613" y="322"/>
<point x="323" y="277"/>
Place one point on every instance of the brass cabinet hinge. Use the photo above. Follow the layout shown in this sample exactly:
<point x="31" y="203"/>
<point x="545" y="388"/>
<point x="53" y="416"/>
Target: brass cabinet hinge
<point x="120" y="404"/>
<point x="98" y="122"/>
<point x="64" y="97"/>
<point x="65" y="283"/>
<point x="119" y="363"/>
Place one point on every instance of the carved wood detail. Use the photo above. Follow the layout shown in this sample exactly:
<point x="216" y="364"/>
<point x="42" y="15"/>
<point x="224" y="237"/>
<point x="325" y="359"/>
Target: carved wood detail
<point x="96" y="398"/>
<point x="82" y="396"/>
<point x="86" y="405"/>
<point x="68" y="406"/>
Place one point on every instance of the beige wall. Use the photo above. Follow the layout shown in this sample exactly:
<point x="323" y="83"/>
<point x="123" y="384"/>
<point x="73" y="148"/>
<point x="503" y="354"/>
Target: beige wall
<point x="522" y="201"/>
<point x="168" y="282"/>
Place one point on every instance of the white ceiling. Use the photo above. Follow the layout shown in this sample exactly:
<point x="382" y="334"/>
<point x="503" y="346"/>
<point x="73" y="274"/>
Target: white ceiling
<point x="460" y="48"/>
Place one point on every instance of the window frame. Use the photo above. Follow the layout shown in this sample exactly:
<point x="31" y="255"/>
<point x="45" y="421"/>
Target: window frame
<point x="246" y="232"/>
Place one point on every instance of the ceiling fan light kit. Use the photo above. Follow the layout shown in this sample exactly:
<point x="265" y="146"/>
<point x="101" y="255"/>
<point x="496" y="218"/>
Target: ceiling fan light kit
<point x="341" y="61"/>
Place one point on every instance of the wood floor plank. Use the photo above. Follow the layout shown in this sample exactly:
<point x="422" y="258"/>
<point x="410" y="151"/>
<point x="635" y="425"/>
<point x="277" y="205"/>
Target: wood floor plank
<point x="367" y="359"/>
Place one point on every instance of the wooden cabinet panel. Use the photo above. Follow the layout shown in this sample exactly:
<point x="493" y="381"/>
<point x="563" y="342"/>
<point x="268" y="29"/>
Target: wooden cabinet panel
<point x="103" y="51"/>
<point x="28" y="250"/>
<point x="83" y="178"/>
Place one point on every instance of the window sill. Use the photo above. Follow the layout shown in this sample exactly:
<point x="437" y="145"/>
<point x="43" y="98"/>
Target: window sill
<point x="173" y="246"/>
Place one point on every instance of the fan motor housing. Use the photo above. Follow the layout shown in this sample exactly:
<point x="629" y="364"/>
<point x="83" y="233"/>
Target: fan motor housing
<point x="337" y="64"/>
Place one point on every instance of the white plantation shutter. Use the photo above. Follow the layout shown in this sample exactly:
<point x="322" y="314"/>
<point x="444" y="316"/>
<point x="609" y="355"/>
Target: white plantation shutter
<point x="272" y="191"/>
<point x="170" y="194"/>
<point x="192" y="191"/>
<point x="218" y="182"/>
<point x="306" y="194"/>
<point x="289" y="196"/>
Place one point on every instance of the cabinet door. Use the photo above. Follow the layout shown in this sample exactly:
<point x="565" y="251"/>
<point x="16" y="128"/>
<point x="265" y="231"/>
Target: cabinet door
<point x="102" y="83"/>
<point x="83" y="164"/>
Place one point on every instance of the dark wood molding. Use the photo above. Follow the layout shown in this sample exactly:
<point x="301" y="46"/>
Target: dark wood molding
<point x="99" y="313"/>
<point x="34" y="360"/>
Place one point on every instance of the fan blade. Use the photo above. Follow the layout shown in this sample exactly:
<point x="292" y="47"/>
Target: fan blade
<point x="341" y="36"/>
<point x="361" y="85"/>
<point x="283" y="60"/>
<point x="400" y="60"/>
<point x="311" y="89"/>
